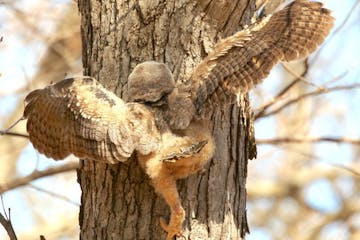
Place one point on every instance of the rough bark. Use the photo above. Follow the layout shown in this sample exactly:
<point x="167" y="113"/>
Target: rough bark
<point x="118" y="201"/>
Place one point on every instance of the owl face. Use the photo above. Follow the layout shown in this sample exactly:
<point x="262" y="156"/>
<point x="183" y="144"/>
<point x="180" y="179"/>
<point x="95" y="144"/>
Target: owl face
<point x="150" y="82"/>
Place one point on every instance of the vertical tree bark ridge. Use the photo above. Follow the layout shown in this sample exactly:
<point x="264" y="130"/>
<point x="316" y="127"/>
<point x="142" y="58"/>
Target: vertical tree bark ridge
<point x="118" y="201"/>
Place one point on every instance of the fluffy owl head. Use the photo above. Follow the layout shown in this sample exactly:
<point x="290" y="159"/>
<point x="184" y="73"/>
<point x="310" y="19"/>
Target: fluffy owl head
<point x="149" y="82"/>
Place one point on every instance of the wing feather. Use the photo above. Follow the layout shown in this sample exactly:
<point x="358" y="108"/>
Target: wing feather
<point x="78" y="116"/>
<point x="243" y="60"/>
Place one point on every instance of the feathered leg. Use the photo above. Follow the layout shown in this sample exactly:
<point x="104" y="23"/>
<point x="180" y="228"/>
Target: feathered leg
<point x="179" y="156"/>
<point x="165" y="185"/>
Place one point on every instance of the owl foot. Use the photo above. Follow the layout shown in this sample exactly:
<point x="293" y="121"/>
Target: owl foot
<point x="185" y="152"/>
<point x="174" y="228"/>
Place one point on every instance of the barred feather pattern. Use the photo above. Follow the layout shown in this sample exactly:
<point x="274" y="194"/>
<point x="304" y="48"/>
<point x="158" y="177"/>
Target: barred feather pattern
<point x="78" y="116"/>
<point x="244" y="59"/>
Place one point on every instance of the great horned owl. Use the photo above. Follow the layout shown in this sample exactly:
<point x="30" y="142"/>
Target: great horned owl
<point x="163" y="122"/>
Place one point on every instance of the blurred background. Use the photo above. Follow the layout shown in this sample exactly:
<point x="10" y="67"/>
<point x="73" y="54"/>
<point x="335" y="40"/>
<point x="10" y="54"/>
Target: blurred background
<point x="305" y="183"/>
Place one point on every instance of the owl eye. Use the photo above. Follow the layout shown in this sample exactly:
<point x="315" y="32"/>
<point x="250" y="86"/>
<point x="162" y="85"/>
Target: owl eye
<point x="139" y="100"/>
<point x="161" y="101"/>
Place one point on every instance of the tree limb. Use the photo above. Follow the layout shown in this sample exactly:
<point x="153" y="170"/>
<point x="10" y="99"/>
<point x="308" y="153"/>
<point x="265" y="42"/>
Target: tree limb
<point x="302" y="78"/>
<point x="320" y="91"/>
<point x="346" y="168"/>
<point x="292" y="140"/>
<point x="6" y="223"/>
<point x="14" y="134"/>
<point x="261" y="111"/>
<point x="7" y="131"/>
<point x="22" y="181"/>
<point x="54" y="194"/>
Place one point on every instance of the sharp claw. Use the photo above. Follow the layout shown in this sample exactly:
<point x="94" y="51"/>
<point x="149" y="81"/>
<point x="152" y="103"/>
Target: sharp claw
<point x="185" y="152"/>
<point x="172" y="231"/>
<point x="163" y="224"/>
<point x="202" y="171"/>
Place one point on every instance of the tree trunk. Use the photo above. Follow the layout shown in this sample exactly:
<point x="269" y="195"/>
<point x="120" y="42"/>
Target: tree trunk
<point x="118" y="201"/>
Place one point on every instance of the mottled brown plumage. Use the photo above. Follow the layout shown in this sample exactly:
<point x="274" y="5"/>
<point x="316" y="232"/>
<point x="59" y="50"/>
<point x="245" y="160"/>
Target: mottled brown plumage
<point x="163" y="122"/>
<point x="149" y="82"/>
<point x="78" y="116"/>
<point x="244" y="59"/>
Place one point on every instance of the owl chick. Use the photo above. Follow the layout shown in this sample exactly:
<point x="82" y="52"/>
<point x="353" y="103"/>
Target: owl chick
<point x="181" y="152"/>
<point x="78" y="116"/>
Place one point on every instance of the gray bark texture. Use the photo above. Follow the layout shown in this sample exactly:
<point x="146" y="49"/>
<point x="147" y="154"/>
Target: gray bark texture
<point x="118" y="201"/>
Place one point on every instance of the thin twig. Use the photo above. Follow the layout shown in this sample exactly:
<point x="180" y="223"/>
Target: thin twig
<point x="286" y="89"/>
<point x="8" y="227"/>
<point x="14" y="124"/>
<point x="7" y="131"/>
<point x="5" y="221"/>
<point x="263" y="109"/>
<point x="53" y="194"/>
<point x="292" y="140"/>
<point x="349" y="169"/>
<point x="3" y="206"/>
<point x="336" y="79"/>
<point x="302" y="78"/>
<point x="306" y="95"/>
<point x="22" y="181"/>
<point x="14" y="134"/>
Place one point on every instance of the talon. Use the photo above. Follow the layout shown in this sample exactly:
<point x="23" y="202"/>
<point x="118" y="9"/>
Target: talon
<point x="170" y="158"/>
<point x="171" y="229"/>
<point x="163" y="224"/>
<point x="185" y="152"/>
<point x="202" y="171"/>
<point x="199" y="146"/>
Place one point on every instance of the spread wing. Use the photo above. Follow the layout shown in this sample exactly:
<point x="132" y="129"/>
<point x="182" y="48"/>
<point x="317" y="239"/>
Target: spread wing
<point x="78" y="116"/>
<point x="246" y="58"/>
<point x="241" y="61"/>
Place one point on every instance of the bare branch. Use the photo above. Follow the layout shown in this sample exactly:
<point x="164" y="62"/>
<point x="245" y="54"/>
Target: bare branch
<point x="302" y="78"/>
<point x="263" y="109"/>
<point x="348" y="209"/>
<point x="3" y="206"/>
<point x="346" y="168"/>
<point x="22" y="181"/>
<point x="7" y="131"/>
<point x="292" y="140"/>
<point x="8" y="227"/>
<point x="14" y="134"/>
<point x="53" y="194"/>
<point x="286" y="89"/>
<point x="5" y="221"/>
<point x="306" y="95"/>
